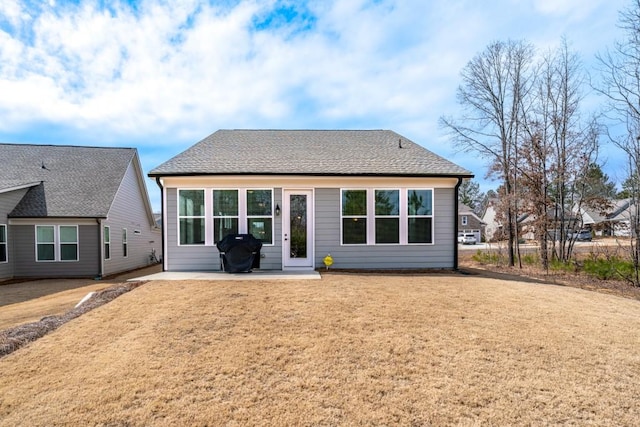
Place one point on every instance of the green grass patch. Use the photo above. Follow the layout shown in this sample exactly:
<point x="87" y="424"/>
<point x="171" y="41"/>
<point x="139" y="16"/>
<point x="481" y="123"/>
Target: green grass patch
<point x="487" y="257"/>
<point x="608" y="268"/>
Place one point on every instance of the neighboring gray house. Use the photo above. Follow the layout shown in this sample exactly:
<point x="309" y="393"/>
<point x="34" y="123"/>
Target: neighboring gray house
<point x="615" y="220"/>
<point x="469" y="222"/>
<point x="371" y="198"/>
<point x="70" y="211"/>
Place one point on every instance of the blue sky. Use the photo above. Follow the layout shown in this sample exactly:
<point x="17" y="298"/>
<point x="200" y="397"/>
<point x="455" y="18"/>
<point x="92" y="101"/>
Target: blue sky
<point x="161" y="75"/>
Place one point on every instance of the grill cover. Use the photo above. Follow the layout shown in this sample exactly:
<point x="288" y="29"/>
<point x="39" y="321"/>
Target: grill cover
<point x="240" y="252"/>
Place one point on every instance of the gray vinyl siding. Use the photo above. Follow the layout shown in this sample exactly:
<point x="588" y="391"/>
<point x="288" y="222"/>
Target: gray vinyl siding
<point x="129" y="211"/>
<point x="88" y="264"/>
<point x="207" y="258"/>
<point x="8" y="201"/>
<point x="327" y="240"/>
<point x="327" y="235"/>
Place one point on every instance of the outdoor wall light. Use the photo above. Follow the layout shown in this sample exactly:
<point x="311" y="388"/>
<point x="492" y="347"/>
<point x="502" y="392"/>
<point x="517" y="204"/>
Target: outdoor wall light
<point x="277" y="210"/>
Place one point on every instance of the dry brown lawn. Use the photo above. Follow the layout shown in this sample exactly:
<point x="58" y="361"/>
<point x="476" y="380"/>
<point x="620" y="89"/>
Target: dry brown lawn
<point x="345" y="350"/>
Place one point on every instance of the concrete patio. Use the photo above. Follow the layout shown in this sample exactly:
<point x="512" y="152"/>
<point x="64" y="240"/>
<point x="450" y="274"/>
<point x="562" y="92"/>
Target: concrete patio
<point x="221" y="275"/>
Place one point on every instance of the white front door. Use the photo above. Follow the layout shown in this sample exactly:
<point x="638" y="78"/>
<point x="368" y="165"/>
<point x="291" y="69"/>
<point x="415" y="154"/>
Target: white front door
<point x="297" y="228"/>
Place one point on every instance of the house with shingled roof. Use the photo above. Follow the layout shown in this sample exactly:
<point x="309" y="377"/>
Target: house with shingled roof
<point x="373" y="199"/>
<point x="69" y="211"/>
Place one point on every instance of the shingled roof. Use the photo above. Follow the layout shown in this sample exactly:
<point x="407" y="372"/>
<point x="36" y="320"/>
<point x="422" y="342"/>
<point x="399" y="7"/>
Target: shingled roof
<point x="64" y="181"/>
<point x="308" y="152"/>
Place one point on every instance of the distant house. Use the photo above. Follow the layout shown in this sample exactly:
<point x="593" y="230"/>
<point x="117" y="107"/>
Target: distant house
<point x="69" y="211"/>
<point x="492" y="226"/>
<point x="614" y="220"/>
<point x="469" y="222"/>
<point x="372" y="199"/>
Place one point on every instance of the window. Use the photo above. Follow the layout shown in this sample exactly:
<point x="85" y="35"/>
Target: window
<point x="259" y="215"/>
<point x="57" y="243"/>
<point x="107" y="242"/>
<point x="225" y="213"/>
<point x="68" y="242"/>
<point x="464" y="220"/>
<point x="3" y="243"/>
<point x="354" y="217"/>
<point x="191" y="217"/>
<point x="45" y="243"/>
<point x="420" y="216"/>
<point x="387" y="216"/>
<point x="125" y="243"/>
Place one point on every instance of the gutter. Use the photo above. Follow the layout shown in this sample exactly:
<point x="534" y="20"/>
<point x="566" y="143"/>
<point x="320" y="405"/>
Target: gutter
<point x="455" y="224"/>
<point x="164" y="219"/>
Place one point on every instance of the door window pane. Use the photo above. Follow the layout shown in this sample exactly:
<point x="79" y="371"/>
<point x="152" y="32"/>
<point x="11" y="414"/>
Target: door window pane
<point x="298" y="225"/>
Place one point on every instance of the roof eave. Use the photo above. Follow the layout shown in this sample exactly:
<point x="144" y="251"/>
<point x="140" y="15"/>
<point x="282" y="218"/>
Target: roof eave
<point x="425" y="175"/>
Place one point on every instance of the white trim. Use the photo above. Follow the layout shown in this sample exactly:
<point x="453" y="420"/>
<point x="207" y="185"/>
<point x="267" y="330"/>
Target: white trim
<point x="5" y="243"/>
<point x="19" y="187"/>
<point x="204" y="216"/>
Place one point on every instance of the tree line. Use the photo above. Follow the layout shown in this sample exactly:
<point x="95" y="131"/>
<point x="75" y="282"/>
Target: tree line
<point x="523" y="111"/>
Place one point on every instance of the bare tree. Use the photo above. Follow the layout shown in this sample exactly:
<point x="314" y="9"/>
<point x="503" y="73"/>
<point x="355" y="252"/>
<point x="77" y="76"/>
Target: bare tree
<point x="494" y="84"/>
<point x="620" y="69"/>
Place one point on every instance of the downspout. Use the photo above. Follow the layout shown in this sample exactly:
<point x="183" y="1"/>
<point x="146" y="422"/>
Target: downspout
<point x="455" y="224"/>
<point x="164" y="221"/>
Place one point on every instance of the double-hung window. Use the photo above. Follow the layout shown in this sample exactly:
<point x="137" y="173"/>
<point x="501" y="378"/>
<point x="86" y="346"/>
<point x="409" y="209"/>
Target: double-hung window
<point x="260" y="215"/>
<point x="225" y="213"/>
<point x="354" y="217"/>
<point x="125" y="243"/>
<point x="191" y="217"/>
<point x="387" y="216"/>
<point x="3" y="243"/>
<point x="57" y="243"/>
<point x="465" y="220"/>
<point x="420" y="216"/>
<point x="107" y="242"/>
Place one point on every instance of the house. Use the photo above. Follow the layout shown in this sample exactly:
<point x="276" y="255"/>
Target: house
<point x="614" y="218"/>
<point x="68" y="211"/>
<point x="492" y="225"/>
<point x="469" y="222"/>
<point x="372" y="199"/>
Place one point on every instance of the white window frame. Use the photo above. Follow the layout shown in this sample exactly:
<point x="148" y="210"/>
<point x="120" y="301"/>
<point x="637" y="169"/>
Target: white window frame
<point x="365" y="216"/>
<point x="376" y="216"/>
<point x="107" y="242"/>
<point x="125" y="243"/>
<point x="203" y="217"/>
<point x="432" y="216"/>
<point x="5" y="243"/>
<point x="403" y="216"/>
<point x="243" y="227"/>
<point x="57" y="251"/>
<point x="60" y="243"/>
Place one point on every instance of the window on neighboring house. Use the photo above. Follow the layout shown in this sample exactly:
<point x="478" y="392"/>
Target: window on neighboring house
<point x="107" y="242"/>
<point x="57" y="243"/>
<point x="125" y="243"/>
<point x="45" y="243"/>
<point x="3" y="243"/>
<point x="387" y="216"/>
<point x="354" y="217"/>
<point x="260" y="215"/>
<point x="68" y="243"/>
<point x="191" y="217"/>
<point x="464" y="220"/>
<point x="420" y="216"/>
<point x="225" y="213"/>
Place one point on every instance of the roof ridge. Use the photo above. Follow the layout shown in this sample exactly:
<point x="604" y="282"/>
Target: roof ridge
<point x="28" y="144"/>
